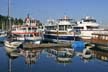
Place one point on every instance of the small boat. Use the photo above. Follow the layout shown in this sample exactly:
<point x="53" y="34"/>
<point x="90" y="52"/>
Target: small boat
<point x="12" y="44"/>
<point x="86" y="53"/>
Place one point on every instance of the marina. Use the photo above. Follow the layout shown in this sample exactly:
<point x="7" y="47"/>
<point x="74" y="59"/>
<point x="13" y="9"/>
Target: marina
<point x="32" y="41"/>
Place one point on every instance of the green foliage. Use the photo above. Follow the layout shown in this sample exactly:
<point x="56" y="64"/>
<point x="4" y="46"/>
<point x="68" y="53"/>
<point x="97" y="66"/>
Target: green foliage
<point x="4" y="21"/>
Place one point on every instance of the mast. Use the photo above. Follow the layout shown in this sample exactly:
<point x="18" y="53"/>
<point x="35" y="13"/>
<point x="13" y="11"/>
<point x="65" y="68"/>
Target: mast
<point x="9" y="18"/>
<point x="2" y="26"/>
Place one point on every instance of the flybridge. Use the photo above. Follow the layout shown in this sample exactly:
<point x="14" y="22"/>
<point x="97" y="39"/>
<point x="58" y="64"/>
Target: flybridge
<point x="88" y="19"/>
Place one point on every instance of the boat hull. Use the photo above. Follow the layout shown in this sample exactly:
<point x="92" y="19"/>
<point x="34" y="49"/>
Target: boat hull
<point x="61" y="38"/>
<point x="13" y="45"/>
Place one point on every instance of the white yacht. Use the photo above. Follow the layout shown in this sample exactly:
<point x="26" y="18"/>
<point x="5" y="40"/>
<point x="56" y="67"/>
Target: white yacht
<point x="60" y="30"/>
<point x="87" y="26"/>
<point x="29" y="31"/>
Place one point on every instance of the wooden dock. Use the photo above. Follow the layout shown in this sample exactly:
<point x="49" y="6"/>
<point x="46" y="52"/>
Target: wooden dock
<point x="45" y="45"/>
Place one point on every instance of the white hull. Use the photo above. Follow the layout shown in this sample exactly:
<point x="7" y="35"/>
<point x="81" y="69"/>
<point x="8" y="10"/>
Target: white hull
<point x="61" y="38"/>
<point x="13" y="44"/>
<point x="37" y="42"/>
<point x="86" y="53"/>
<point x="87" y="34"/>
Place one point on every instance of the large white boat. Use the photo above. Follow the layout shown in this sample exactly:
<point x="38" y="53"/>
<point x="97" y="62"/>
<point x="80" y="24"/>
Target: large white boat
<point x="87" y="26"/>
<point x="29" y="31"/>
<point x="61" y="30"/>
<point x="23" y="33"/>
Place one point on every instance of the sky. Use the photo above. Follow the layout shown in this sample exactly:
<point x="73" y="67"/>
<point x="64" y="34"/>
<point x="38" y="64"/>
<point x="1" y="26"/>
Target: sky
<point x="54" y="9"/>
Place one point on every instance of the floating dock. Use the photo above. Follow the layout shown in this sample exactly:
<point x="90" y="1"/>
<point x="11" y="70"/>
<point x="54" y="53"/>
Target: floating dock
<point x="45" y="45"/>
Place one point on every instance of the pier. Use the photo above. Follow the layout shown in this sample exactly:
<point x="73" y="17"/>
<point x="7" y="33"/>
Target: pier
<point x="45" y="45"/>
<point x="100" y="39"/>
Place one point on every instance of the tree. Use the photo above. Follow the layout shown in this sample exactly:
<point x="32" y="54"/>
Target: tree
<point x="20" y="21"/>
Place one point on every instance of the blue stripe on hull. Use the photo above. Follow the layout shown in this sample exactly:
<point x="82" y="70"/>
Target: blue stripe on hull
<point x="62" y="37"/>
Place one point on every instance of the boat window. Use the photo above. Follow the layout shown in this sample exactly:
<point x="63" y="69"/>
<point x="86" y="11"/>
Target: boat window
<point x="92" y="27"/>
<point x="26" y="35"/>
<point x="31" y="35"/>
<point x="78" y="28"/>
<point x="68" y="27"/>
<point x="51" y="27"/>
<point x="29" y="28"/>
<point x="23" y="28"/>
<point x="103" y="37"/>
<point x="61" y="27"/>
<point x="80" y="22"/>
<point x="64" y="19"/>
<point x="89" y="20"/>
<point x="34" y="28"/>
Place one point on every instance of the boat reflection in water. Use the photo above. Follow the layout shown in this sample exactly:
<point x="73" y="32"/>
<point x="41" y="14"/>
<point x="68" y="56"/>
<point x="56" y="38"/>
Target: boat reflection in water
<point x="86" y="55"/>
<point x="31" y="56"/>
<point x="12" y="55"/>
<point x="100" y="55"/>
<point x="62" y="55"/>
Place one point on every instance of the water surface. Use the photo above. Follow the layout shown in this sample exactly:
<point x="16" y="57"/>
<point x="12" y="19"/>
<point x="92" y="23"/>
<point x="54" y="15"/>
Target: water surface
<point x="42" y="60"/>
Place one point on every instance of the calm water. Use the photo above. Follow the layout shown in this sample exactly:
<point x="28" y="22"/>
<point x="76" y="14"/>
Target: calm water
<point x="43" y="60"/>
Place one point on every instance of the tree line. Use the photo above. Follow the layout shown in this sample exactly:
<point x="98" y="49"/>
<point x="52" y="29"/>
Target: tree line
<point x="4" y="21"/>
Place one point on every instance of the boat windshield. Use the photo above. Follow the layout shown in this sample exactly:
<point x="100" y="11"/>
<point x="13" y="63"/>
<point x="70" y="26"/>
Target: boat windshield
<point x="89" y="20"/>
<point x="78" y="28"/>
